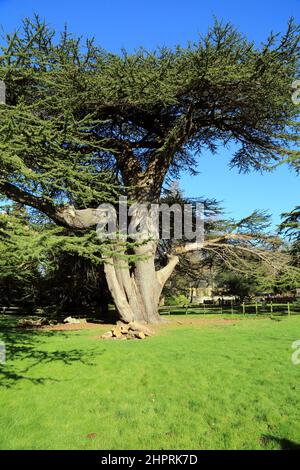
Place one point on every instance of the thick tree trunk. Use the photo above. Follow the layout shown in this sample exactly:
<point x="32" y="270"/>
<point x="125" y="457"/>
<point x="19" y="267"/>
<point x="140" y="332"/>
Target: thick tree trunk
<point x="136" y="291"/>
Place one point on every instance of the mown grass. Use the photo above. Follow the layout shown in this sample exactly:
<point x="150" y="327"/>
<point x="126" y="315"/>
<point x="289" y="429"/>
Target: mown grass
<point x="229" y="386"/>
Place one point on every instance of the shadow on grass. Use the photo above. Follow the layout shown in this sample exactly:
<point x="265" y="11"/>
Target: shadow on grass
<point x="285" y="444"/>
<point x="24" y="345"/>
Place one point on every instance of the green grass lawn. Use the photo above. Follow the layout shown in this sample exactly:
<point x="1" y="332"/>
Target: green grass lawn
<point x="226" y="386"/>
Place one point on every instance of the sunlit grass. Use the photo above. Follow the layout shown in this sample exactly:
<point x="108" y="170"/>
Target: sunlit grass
<point x="229" y="386"/>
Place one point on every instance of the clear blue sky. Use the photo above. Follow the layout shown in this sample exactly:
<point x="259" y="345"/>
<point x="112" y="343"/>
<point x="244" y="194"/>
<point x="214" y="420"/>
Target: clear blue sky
<point x="128" y="24"/>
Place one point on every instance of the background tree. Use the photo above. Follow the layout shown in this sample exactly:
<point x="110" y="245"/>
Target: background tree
<point x="41" y="266"/>
<point x="79" y="121"/>
<point x="290" y="227"/>
<point x="239" y="286"/>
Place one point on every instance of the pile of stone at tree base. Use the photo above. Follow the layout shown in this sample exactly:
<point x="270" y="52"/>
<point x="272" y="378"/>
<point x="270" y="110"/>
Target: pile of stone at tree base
<point x="133" y="330"/>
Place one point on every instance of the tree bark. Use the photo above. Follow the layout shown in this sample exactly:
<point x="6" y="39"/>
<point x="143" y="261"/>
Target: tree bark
<point x="136" y="290"/>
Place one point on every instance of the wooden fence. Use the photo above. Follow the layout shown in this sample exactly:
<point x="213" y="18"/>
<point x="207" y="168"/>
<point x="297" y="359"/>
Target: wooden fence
<point x="255" y="308"/>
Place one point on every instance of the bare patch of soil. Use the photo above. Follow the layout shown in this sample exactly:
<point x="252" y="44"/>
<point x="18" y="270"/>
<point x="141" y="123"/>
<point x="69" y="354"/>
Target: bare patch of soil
<point x="83" y="325"/>
<point x="172" y="322"/>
